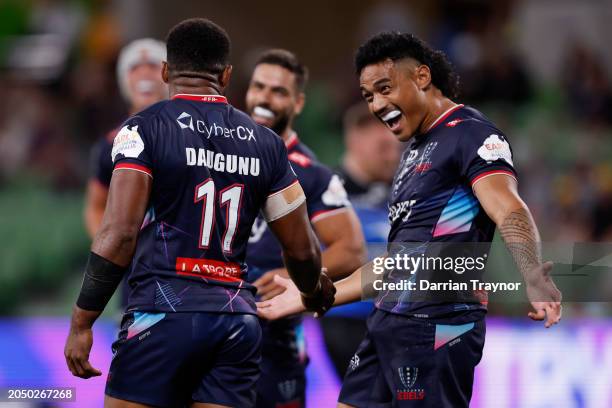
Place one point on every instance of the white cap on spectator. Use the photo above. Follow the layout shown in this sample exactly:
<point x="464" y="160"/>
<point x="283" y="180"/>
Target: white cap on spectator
<point x="144" y="50"/>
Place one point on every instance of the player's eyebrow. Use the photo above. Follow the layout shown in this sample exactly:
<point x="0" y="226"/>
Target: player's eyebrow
<point x="381" y="82"/>
<point x="277" y="89"/>
<point x="280" y="89"/>
<point x="257" y="83"/>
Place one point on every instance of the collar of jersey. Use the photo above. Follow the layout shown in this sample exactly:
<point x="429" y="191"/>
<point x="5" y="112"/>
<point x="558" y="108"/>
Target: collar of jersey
<point x="444" y="116"/>
<point x="292" y="141"/>
<point x="422" y="136"/>
<point x="202" y="98"/>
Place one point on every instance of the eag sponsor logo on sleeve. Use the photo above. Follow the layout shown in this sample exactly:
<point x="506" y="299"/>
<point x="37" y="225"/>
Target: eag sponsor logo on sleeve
<point x="127" y="143"/>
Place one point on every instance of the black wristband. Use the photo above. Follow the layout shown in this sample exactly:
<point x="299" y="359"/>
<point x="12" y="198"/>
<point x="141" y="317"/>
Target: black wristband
<point x="99" y="282"/>
<point x="317" y="288"/>
<point x="315" y="292"/>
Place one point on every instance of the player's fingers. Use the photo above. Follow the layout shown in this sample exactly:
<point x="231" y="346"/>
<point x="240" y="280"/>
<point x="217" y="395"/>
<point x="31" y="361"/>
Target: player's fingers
<point x="265" y="312"/>
<point x="90" y="371"/>
<point x="279" y="280"/>
<point x="538" y="315"/>
<point x="265" y="279"/>
<point x="70" y="365"/>
<point x="273" y="292"/>
<point x="79" y="371"/>
<point x="262" y="304"/>
<point x="262" y="291"/>
<point x="552" y="314"/>
<point x="547" y="267"/>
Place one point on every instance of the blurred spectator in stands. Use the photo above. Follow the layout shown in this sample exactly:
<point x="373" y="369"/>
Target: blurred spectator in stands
<point x="502" y="78"/>
<point x="371" y="158"/>
<point x="602" y="209"/>
<point x="587" y="86"/>
<point x="140" y="83"/>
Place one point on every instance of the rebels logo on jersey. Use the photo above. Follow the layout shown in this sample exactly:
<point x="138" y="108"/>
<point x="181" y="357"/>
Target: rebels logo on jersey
<point x="213" y="169"/>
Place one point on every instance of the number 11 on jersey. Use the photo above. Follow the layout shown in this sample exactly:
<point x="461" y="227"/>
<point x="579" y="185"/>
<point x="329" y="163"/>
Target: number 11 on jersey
<point x="230" y="198"/>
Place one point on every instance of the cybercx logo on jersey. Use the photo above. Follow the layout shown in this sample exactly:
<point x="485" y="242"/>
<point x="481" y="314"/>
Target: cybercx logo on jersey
<point x="415" y="162"/>
<point x="408" y="377"/>
<point x="185" y="121"/>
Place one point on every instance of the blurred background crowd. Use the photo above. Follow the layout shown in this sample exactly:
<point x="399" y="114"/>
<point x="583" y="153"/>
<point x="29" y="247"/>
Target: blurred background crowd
<point x="540" y="69"/>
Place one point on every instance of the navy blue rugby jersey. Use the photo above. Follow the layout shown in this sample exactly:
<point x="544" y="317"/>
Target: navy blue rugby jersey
<point x="101" y="163"/>
<point x="213" y="169"/>
<point x="100" y="159"/>
<point x="432" y="202"/>
<point x="325" y="195"/>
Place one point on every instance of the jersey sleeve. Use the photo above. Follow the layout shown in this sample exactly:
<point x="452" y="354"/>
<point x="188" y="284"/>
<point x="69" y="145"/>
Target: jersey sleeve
<point x="325" y="193"/>
<point x="485" y="152"/>
<point x="282" y="173"/>
<point x="132" y="147"/>
<point x="101" y="162"/>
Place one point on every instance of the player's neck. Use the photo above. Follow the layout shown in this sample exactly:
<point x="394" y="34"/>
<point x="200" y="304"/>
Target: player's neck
<point x="436" y="107"/>
<point x="194" y="86"/>
<point x="287" y="134"/>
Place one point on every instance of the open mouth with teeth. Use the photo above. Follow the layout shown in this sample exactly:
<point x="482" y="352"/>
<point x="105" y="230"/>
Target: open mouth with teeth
<point x="263" y="113"/>
<point x="145" y="86"/>
<point x="392" y="119"/>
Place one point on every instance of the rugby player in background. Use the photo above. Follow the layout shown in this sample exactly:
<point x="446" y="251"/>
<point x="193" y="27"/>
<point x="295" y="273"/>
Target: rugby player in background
<point x="190" y="335"/>
<point x="455" y="183"/>
<point x="370" y="159"/>
<point x="139" y="79"/>
<point x="274" y="98"/>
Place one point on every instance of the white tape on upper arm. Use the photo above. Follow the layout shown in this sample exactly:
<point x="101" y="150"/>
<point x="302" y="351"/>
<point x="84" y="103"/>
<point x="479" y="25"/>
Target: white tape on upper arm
<point x="283" y="202"/>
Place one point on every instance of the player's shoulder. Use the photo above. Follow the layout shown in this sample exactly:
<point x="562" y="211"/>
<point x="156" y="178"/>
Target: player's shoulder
<point x="153" y="111"/>
<point x="473" y="125"/>
<point x="479" y="136"/>
<point x="143" y="120"/>
<point x="299" y="153"/>
<point x="476" y="121"/>
<point x="309" y="170"/>
<point x="296" y="145"/>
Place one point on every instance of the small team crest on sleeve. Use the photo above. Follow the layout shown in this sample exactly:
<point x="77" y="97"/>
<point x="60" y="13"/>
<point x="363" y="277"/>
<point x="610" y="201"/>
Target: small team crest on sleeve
<point x="495" y="147"/>
<point x="335" y="195"/>
<point x="128" y="143"/>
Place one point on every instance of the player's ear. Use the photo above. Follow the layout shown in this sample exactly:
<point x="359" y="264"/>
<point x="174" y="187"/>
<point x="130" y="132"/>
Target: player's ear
<point x="225" y="76"/>
<point x="423" y="76"/>
<point x="301" y="99"/>
<point x="164" y="71"/>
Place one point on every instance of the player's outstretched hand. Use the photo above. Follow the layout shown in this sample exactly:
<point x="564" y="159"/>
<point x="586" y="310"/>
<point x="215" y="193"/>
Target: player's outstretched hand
<point x="323" y="299"/>
<point x="76" y="351"/>
<point x="285" y="304"/>
<point x="544" y="296"/>
<point x="266" y="285"/>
